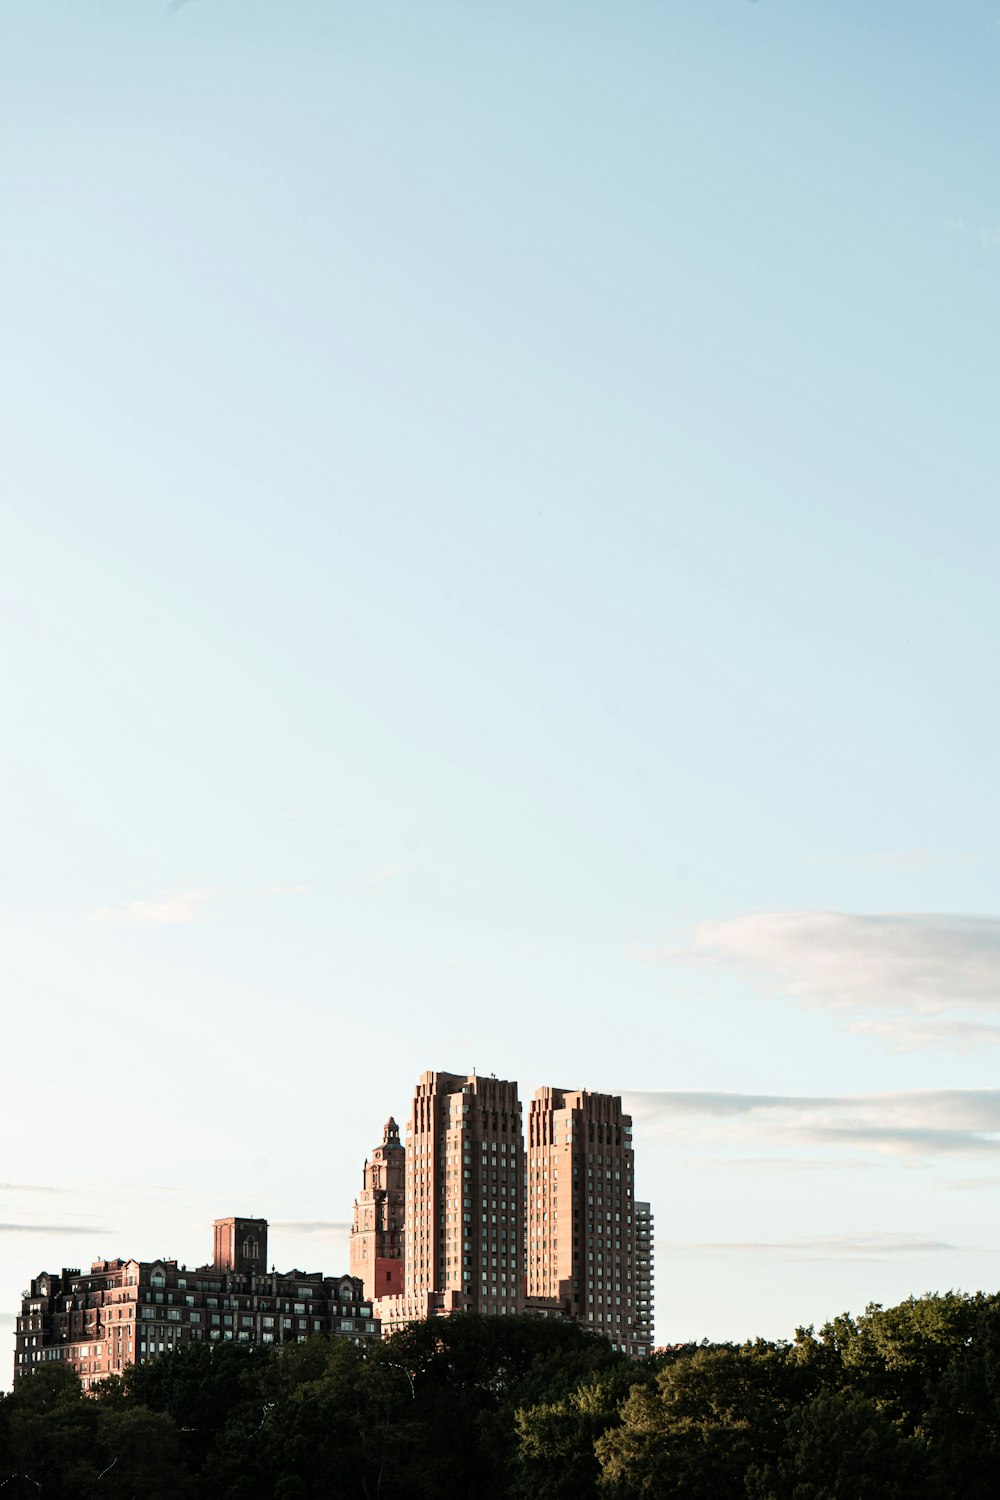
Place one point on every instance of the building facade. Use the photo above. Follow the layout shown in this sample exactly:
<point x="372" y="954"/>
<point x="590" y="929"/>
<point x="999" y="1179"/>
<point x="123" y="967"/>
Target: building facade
<point x="379" y="1223"/>
<point x="582" y="1247"/>
<point x="123" y="1312"/>
<point x="553" y="1230"/>
<point x="464" y="1223"/>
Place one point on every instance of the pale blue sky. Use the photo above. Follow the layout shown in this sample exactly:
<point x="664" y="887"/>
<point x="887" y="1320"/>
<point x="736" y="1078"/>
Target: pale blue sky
<point x="497" y="531"/>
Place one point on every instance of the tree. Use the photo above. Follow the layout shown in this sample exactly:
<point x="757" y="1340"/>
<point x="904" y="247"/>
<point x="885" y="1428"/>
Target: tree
<point x="50" y="1436"/>
<point x="556" y="1454"/>
<point x="712" y="1412"/>
<point x="841" y="1447"/>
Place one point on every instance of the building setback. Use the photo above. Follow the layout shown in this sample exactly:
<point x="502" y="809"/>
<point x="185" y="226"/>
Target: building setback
<point x="644" y="1278"/>
<point x="124" y="1312"/>
<point x="464" y="1225"/>
<point x="582" y="1222"/>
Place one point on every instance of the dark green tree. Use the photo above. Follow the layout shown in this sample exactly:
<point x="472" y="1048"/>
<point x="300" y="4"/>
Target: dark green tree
<point x="839" y="1446"/>
<point x="556" y="1452"/>
<point x="712" y="1411"/>
<point x="51" y="1437"/>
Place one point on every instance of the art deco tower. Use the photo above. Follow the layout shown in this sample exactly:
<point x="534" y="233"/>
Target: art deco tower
<point x="464" y="1223"/>
<point x="581" y="1214"/>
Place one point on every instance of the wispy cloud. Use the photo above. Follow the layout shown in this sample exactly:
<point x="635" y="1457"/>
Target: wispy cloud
<point x="989" y="238"/>
<point x="864" y="1246"/>
<point x="54" y="1229"/>
<point x="920" y="961"/>
<point x="175" y="906"/>
<point x="944" y="1033"/>
<point x="281" y="890"/>
<point x="912" y="1127"/>
<point x="312" y="1226"/>
<point x="28" y="1187"/>
<point x="391" y="872"/>
<point x="967" y="1184"/>
<point x="743" y="1163"/>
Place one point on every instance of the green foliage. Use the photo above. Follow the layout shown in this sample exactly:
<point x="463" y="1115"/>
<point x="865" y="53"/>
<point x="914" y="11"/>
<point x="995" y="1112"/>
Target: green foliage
<point x="839" y="1446"/>
<point x="901" y="1403"/>
<point x="710" y="1414"/>
<point x="557" y="1452"/>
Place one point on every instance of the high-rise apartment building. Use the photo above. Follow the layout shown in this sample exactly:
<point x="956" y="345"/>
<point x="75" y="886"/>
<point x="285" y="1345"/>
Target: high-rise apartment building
<point x="464" y="1224"/>
<point x="583" y="1234"/>
<point x="124" y="1312"/>
<point x="378" y="1228"/>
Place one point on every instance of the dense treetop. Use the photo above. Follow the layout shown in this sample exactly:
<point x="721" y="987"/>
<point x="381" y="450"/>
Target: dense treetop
<point x="902" y="1403"/>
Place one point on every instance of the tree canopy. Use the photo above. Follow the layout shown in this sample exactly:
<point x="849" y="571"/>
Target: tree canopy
<point x="901" y="1403"/>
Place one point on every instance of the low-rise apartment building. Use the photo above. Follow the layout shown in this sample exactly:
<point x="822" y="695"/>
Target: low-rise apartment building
<point x="123" y="1312"/>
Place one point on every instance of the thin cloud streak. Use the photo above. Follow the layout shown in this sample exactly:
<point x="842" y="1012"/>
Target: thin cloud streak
<point x="28" y="1187"/>
<point x="172" y="908"/>
<point x="312" y="1226"/>
<point x="912" y="1127"/>
<point x="54" y="1229"/>
<point x="944" y="1033"/>
<point x="967" y="1184"/>
<point x="777" y="1164"/>
<point x="864" y="1246"/>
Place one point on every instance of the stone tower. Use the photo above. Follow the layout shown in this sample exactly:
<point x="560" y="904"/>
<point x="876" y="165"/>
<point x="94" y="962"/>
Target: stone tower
<point x="377" y="1233"/>
<point x="240" y="1245"/>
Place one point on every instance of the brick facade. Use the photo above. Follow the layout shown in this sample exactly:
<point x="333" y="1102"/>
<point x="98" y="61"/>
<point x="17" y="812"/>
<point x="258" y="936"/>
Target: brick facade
<point x="553" y="1231"/>
<point x="464" y="1227"/>
<point x="123" y="1312"/>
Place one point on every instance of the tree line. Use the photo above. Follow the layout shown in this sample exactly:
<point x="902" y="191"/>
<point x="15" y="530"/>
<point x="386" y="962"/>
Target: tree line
<point x="901" y="1403"/>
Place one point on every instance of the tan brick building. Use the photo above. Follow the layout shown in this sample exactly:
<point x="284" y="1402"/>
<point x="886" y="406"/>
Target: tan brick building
<point x="582" y="1229"/>
<point x="464" y="1225"/>
<point x="123" y="1312"/>
<point x="553" y="1231"/>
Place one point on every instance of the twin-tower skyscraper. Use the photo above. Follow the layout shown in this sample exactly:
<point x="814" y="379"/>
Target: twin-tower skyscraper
<point x="466" y="1216"/>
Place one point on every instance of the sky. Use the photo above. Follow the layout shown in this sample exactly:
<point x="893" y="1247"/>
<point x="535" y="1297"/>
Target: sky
<point x="498" y="555"/>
